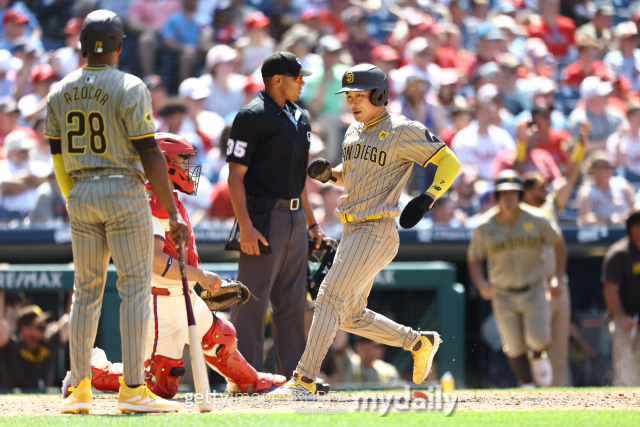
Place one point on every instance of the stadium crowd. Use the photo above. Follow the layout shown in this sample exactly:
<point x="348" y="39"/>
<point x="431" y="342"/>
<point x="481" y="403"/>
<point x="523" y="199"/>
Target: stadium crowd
<point x="551" y="90"/>
<point x="472" y="71"/>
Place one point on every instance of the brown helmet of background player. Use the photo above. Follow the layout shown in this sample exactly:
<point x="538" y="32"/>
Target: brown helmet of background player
<point x="184" y="175"/>
<point x="509" y="180"/>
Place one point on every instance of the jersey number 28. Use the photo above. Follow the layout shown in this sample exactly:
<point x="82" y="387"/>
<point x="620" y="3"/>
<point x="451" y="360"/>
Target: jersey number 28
<point x="78" y="122"/>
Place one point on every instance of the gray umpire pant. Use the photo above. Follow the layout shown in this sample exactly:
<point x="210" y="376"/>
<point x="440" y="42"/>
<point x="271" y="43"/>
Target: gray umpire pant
<point x="279" y="278"/>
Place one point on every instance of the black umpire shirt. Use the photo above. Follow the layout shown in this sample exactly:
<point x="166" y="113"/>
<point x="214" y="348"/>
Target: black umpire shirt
<point x="621" y="266"/>
<point x="266" y="140"/>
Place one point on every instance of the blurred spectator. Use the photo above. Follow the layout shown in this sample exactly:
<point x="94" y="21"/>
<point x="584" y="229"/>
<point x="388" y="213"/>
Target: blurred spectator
<point x="223" y="28"/>
<point x="464" y="195"/>
<point x="172" y="114"/>
<point x="587" y="64"/>
<point x="626" y="60"/>
<point x="319" y="94"/>
<point x="15" y="28"/>
<point x="220" y="199"/>
<point x="538" y="60"/>
<point x="226" y="87"/>
<point x="33" y="26"/>
<point x="461" y="116"/>
<point x="368" y="366"/>
<point x="422" y="56"/>
<point x="147" y="18"/>
<point x="487" y="201"/>
<point x="386" y="58"/>
<point x="42" y="151"/>
<point x="543" y="91"/>
<point x="69" y="58"/>
<point x="598" y="29"/>
<point x="513" y="97"/>
<point x="216" y="159"/>
<point x="556" y="30"/>
<point x="8" y="117"/>
<point x="330" y="196"/>
<point x="623" y="146"/>
<point x="488" y="73"/>
<point x="480" y="142"/>
<point x="604" y="119"/>
<point x="604" y="198"/>
<point x="526" y="157"/>
<point x="158" y="93"/>
<point x="7" y="72"/>
<point x="180" y="36"/>
<point x="300" y="40"/>
<point x="20" y="176"/>
<point x="487" y="47"/>
<point x="206" y="124"/>
<point x="256" y="45"/>
<point x="35" y="104"/>
<point x="621" y="293"/>
<point x="330" y="18"/>
<point x="412" y="100"/>
<point x="359" y="42"/>
<point x="511" y="30"/>
<point x="553" y="140"/>
<point x="452" y="55"/>
<point x="26" y="360"/>
<point x="443" y="214"/>
<point x="459" y="10"/>
<point x="480" y="9"/>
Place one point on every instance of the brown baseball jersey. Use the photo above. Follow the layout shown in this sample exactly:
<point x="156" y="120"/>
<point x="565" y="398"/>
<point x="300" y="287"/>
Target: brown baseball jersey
<point x="97" y="111"/>
<point x="377" y="161"/>
<point x="513" y="253"/>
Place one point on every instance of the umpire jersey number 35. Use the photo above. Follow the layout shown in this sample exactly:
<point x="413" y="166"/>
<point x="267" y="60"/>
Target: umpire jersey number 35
<point x="265" y="139"/>
<point x="96" y="111"/>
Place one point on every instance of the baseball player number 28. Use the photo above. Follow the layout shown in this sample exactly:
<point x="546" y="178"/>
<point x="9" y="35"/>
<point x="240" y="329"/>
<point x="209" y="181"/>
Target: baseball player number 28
<point x="77" y="120"/>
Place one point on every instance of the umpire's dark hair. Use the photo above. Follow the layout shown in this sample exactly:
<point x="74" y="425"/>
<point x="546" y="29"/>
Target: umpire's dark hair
<point x="633" y="220"/>
<point x="172" y="106"/>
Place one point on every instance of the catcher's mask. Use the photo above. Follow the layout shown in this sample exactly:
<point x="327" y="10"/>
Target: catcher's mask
<point x="184" y="175"/>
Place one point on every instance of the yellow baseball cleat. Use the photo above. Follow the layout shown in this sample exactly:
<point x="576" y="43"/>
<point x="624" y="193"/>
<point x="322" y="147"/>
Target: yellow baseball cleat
<point x="79" y="399"/>
<point x="141" y="399"/>
<point x="423" y="357"/>
<point x="294" y="389"/>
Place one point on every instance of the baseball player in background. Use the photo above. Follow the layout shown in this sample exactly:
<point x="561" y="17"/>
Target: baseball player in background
<point x="379" y="152"/>
<point x="101" y="130"/>
<point x="511" y="238"/>
<point x="167" y="333"/>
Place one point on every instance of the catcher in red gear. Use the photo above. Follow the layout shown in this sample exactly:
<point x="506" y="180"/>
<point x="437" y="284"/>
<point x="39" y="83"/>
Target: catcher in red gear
<point x="168" y="325"/>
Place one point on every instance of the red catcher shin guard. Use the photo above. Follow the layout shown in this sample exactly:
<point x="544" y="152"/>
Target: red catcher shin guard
<point x="164" y="375"/>
<point x="221" y="353"/>
<point x="104" y="381"/>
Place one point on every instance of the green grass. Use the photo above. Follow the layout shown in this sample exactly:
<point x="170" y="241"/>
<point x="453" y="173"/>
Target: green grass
<point x="584" y="418"/>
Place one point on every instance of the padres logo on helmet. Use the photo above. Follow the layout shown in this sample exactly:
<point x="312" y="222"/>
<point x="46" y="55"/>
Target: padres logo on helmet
<point x="349" y="77"/>
<point x="367" y="77"/>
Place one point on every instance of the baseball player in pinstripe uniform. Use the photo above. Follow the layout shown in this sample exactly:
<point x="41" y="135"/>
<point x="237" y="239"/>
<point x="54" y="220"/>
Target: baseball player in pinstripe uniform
<point x="379" y="151"/>
<point x="101" y="131"/>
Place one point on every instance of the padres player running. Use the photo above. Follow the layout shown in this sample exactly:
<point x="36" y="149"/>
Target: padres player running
<point x="101" y="131"/>
<point x="511" y="238"/>
<point x="379" y="152"/>
<point x="167" y="333"/>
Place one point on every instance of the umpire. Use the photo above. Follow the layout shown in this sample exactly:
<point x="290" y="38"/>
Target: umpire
<point x="511" y="238"/>
<point x="268" y="152"/>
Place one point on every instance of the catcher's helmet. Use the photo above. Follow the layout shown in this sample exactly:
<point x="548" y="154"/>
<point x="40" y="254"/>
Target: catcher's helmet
<point x="366" y="77"/>
<point x="509" y="180"/>
<point x="102" y="32"/>
<point x="185" y="176"/>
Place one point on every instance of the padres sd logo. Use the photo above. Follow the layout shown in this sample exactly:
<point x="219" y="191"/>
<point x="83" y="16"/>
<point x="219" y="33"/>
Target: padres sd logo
<point x="98" y="47"/>
<point x="383" y="135"/>
<point x="350" y="77"/>
<point x="528" y="226"/>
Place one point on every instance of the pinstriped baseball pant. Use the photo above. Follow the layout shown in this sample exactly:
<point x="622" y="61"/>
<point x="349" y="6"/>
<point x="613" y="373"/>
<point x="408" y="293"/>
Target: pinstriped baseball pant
<point x="110" y="217"/>
<point x="365" y="249"/>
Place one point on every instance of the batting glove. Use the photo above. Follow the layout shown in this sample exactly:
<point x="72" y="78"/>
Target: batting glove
<point x="320" y="169"/>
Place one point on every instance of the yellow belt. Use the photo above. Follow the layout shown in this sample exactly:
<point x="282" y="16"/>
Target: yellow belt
<point x="348" y="218"/>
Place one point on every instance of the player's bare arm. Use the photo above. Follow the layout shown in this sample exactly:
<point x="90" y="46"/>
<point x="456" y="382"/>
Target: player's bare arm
<point x="206" y="279"/>
<point x="156" y="171"/>
<point x="249" y="236"/>
<point x="316" y="232"/>
<point x="476" y="270"/>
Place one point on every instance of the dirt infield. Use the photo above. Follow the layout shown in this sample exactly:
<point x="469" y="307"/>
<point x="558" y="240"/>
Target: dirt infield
<point x="476" y="401"/>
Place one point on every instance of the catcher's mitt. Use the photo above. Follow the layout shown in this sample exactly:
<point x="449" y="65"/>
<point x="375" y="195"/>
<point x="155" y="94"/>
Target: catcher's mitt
<point x="230" y="293"/>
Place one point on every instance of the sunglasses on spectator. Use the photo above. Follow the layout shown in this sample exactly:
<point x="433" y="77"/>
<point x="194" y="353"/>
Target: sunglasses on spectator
<point x="298" y="78"/>
<point x="602" y="165"/>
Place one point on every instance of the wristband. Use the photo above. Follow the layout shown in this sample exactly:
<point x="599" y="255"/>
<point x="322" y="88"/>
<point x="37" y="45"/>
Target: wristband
<point x="577" y="155"/>
<point x="521" y="151"/>
<point x="312" y="225"/>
